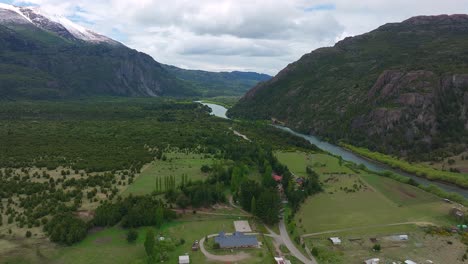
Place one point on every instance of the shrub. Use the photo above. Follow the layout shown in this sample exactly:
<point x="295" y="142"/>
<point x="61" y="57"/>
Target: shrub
<point x="376" y="247"/>
<point x="132" y="235"/>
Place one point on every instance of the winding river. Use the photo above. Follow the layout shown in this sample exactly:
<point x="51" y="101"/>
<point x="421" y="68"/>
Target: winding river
<point x="220" y="111"/>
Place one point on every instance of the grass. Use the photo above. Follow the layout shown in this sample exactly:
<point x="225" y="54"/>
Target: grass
<point x="110" y="246"/>
<point x="419" y="169"/>
<point x="226" y="101"/>
<point x="359" y="200"/>
<point x="356" y="246"/>
<point x="321" y="163"/>
<point x="177" y="164"/>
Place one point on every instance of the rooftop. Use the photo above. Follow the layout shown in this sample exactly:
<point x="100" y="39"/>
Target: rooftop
<point x="236" y="240"/>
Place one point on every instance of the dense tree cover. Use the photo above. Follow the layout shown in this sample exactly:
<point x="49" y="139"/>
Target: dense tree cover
<point x="66" y="229"/>
<point x="117" y="137"/>
<point x="133" y="211"/>
<point x="297" y="194"/>
<point x="330" y="92"/>
<point x="218" y="83"/>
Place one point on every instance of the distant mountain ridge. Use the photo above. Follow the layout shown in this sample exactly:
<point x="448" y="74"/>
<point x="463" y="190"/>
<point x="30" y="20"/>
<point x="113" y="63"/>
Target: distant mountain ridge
<point x="234" y="83"/>
<point x="400" y="89"/>
<point x="46" y="56"/>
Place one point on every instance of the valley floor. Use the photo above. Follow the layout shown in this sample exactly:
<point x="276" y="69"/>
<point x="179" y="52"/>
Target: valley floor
<point x="357" y="205"/>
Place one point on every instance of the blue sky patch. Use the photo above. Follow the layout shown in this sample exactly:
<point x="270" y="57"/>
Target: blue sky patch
<point x="321" y="7"/>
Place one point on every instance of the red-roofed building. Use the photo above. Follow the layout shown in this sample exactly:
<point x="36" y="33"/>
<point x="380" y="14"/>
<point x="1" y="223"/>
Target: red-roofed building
<point x="277" y="178"/>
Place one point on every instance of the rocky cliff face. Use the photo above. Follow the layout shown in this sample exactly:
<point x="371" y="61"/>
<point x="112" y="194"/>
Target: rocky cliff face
<point x="413" y="105"/>
<point x="400" y="89"/>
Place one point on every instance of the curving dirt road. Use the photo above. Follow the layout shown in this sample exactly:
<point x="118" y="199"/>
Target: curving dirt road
<point x="290" y="245"/>
<point x="366" y="227"/>
<point x="222" y="258"/>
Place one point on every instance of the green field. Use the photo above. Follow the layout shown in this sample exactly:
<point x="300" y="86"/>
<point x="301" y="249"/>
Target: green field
<point x="110" y="246"/>
<point x="176" y="164"/>
<point x="353" y="200"/>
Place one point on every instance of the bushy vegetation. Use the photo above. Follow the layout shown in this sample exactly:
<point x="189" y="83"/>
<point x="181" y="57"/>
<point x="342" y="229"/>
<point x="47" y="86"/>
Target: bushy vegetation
<point x="133" y="211"/>
<point x="66" y="229"/>
<point x="327" y="92"/>
<point x="414" y="168"/>
<point x="84" y="153"/>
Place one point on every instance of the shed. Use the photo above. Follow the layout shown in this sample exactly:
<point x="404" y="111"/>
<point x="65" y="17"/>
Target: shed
<point x="403" y="237"/>
<point x="410" y="262"/>
<point x="372" y="261"/>
<point x="184" y="259"/>
<point x="335" y="240"/>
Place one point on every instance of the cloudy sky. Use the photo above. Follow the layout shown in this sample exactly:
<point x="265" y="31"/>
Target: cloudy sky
<point x="254" y="35"/>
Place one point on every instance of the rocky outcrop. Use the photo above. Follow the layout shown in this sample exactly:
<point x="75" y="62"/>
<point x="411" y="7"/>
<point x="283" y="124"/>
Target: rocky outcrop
<point x="399" y="89"/>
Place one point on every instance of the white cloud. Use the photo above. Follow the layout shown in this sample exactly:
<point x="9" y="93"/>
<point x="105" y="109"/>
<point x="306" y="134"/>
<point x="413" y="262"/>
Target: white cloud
<point x="260" y="35"/>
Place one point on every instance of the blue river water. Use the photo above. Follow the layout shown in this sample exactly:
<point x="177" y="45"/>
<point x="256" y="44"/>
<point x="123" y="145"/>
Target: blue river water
<point x="347" y="155"/>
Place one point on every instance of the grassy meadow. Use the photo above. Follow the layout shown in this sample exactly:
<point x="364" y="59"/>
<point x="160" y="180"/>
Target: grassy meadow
<point x="352" y="200"/>
<point x="109" y="245"/>
<point x="176" y="164"/>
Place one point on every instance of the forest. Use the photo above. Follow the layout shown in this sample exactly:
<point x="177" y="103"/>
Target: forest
<point x="58" y="158"/>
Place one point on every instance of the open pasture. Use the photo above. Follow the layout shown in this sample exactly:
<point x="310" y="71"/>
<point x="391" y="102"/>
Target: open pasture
<point x="356" y="200"/>
<point x="176" y="164"/>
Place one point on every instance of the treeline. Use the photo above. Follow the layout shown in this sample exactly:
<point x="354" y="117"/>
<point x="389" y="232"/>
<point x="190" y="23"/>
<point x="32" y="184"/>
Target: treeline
<point x="133" y="211"/>
<point x="459" y="179"/>
<point x="90" y="135"/>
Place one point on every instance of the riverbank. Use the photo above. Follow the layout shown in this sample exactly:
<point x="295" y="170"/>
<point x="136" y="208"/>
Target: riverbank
<point x="419" y="170"/>
<point x="441" y="187"/>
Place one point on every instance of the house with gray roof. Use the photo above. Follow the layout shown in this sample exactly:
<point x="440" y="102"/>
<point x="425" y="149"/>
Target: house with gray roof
<point x="236" y="240"/>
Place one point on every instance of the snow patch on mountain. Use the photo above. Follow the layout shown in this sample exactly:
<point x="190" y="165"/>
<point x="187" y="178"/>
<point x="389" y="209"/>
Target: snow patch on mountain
<point x="57" y="23"/>
<point x="14" y="9"/>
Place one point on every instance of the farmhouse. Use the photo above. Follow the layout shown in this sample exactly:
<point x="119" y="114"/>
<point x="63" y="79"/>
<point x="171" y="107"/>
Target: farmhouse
<point x="236" y="240"/>
<point x="335" y="240"/>
<point x="277" y="177"/>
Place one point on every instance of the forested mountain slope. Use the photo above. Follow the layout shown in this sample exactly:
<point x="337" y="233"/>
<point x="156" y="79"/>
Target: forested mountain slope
<point x="235" y="83"/>
<point x="400" y="89"/>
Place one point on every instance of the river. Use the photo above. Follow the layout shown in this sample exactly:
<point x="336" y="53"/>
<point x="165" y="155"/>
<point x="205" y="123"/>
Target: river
<point x="347" y="155"/>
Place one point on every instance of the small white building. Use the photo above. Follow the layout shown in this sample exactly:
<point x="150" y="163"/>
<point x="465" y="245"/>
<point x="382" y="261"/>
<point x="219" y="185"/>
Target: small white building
<point x="335" y="240"/>
<point x="403" y="237"/>
<point x="372" y="261"/>
<point x="184" y="260"/>
<point x="410" y="262"/>
<point x="280" y="260"/>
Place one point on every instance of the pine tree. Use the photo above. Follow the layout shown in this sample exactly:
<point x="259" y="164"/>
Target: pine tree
<point x="159" y="216"/>
<point x="253" y="206"/>
<point x="149" y="243"/>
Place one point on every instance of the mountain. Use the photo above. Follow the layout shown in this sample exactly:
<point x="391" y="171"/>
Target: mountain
<point x="401" y="89"/>
<point x="210" y="84"/>
<point x="45" y="56"/>
<point x="48" y="56"/>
